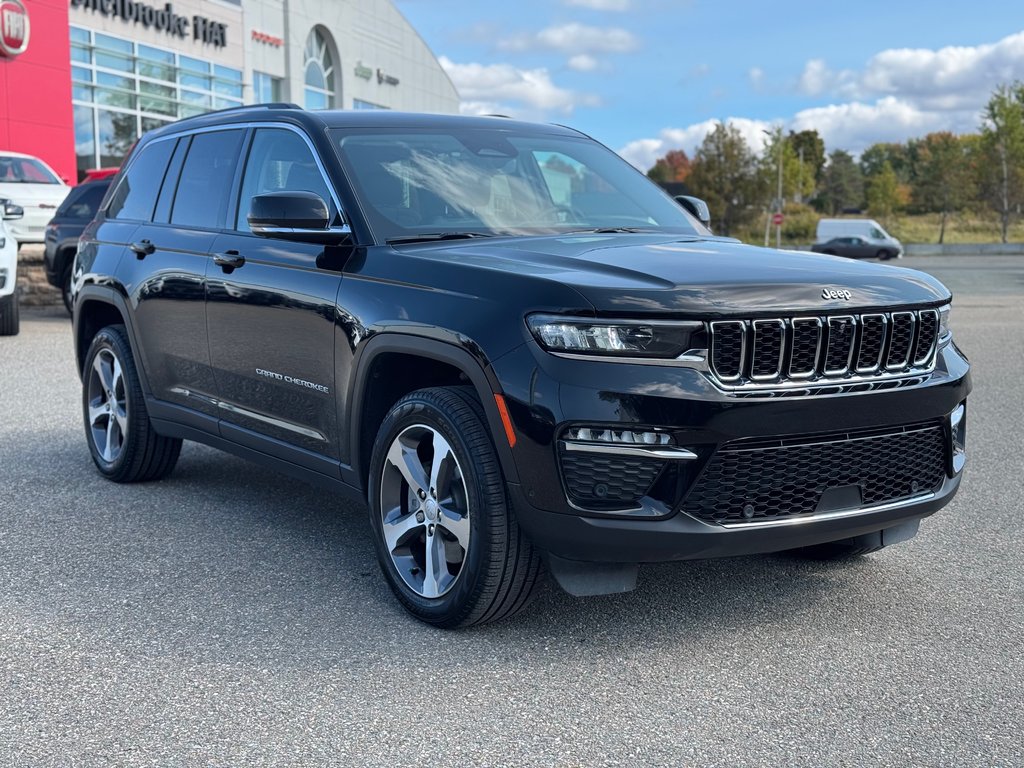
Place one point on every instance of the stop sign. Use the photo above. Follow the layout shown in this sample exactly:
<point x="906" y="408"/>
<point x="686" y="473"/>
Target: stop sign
<point x="777" y="219"/>
<point x="13" y="27"/>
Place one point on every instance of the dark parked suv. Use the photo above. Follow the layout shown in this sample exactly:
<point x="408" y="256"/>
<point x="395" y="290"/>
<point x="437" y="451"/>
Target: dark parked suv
<point x="64" y="229"/>
<point x="513" y="345"/>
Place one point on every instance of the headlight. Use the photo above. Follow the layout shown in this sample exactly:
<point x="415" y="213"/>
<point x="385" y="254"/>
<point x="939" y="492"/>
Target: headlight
<point x="945" y="332"/>
<point x="622" y="338"/>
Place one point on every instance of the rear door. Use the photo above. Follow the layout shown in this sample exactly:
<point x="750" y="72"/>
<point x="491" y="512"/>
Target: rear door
<point x="165" y="269"/>
<point x="272" y="317"/>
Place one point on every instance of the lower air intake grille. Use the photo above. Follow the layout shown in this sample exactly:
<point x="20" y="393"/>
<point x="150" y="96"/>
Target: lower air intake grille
<point x="594" y="480"/>
<point x="779" y="482"/>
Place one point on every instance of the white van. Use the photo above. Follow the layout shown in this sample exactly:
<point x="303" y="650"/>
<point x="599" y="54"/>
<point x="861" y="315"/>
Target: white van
<point x="868" y="229"/>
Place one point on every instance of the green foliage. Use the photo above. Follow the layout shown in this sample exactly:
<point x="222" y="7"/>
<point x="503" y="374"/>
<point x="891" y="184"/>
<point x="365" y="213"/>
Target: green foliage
<point x="798" y="181"/>
<point x="883" y="192"/>
<point x="812" y="147"/>
<point x="896" y="155"/>
<point x="674" y="166"/>
<point x="941" y="175"/>
<point x="1002" y="145"/>
<point x="842" y="183"/>
<point x="724" y="174"/>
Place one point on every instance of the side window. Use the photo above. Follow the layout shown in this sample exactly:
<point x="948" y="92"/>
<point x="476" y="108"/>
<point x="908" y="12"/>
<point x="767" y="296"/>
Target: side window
<point x="87" y="203"/>
<point x="206" y="178"/>
<point x="136" y="193"/>
<point x="279" y="160"/>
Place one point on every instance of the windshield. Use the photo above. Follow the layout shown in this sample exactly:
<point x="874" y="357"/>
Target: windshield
<point x="495" y="182"/>
<point x="25" y="170"/>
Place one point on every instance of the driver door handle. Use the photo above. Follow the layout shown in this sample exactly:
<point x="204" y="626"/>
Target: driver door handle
<point x="143" y="248"/>
<point x="229" y="260"/>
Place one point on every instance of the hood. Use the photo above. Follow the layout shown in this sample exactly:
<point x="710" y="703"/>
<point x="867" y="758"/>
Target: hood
<point x="640" y="273"/>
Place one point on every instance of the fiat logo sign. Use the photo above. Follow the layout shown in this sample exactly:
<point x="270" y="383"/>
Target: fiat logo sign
<point x="13" y="27"/>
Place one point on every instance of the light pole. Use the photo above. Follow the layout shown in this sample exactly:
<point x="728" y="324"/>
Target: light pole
<point x="778" y="227"/>
<point x="778" y="199"/>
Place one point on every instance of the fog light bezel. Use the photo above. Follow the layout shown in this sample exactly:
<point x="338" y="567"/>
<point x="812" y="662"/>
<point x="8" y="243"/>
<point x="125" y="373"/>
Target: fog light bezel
<point x="958" y="438"/>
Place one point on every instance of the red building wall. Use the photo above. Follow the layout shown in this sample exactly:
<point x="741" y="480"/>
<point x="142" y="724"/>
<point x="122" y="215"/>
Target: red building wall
<point x="35" y="91"/>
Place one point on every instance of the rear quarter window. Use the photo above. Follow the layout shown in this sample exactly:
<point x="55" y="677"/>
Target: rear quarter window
<point x="135" y="196"/>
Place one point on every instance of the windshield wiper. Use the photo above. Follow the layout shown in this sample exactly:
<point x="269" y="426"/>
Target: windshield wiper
<point x="424" y="237"/>
<point x="607" y="231"/>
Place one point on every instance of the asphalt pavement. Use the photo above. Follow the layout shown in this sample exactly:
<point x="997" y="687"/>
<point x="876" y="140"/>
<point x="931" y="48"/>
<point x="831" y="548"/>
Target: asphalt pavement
<point x="229" y="616"/>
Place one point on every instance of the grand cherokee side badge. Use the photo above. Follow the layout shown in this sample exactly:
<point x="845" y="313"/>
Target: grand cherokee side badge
<point x="836" y="293"/>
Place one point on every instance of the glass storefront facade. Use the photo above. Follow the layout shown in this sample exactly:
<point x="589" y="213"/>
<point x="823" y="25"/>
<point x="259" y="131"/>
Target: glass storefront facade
<point x="121" y="89"/>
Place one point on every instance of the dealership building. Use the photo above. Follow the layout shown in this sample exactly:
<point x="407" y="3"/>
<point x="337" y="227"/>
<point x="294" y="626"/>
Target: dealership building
<point x="81" y="80"/>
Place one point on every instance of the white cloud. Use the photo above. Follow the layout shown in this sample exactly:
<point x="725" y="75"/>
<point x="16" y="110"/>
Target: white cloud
<point x="643" y="153"/>
<point x="951" y="78"/>
<point x="573" y="39"/>
<point x="854" y="126"/>
<point x="583" y="62"/>
<point x="756" y="77"/>
<point x="504" y="89"/>
<point x="600" y="5"/>
<point x="899" y="94"/>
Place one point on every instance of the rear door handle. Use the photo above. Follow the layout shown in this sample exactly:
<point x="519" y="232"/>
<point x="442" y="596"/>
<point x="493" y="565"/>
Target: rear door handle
<point x="143" y="248"/>
<point x="229" y="260"/>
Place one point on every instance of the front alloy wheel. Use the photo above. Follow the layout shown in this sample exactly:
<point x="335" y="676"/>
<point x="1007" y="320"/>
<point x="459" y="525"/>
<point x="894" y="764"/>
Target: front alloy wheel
<point x="445" y="531"/>
<point x="425" y="511"/>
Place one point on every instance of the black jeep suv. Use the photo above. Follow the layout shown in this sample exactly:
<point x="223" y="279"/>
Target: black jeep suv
<point x="513" y="345"/>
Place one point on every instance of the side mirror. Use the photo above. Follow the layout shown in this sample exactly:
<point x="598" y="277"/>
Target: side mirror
<point x="294" y="215"/>
<point x="697" y="207"/>
<point x="10" y="210"/>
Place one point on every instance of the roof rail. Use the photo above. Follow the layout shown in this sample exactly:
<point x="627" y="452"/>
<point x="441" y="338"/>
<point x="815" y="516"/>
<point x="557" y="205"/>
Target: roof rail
<point x="243" y="108"/>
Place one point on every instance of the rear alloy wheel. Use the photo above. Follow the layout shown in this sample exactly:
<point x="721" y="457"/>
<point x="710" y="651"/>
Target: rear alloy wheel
<point x="121" y="439"/>
<point x="445" y="532"/>
<point x="10" y="322"/>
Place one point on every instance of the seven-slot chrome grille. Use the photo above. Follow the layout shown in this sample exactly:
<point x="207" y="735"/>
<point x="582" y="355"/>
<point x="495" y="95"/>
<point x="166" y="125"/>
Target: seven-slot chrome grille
<point x="825" y="349"/>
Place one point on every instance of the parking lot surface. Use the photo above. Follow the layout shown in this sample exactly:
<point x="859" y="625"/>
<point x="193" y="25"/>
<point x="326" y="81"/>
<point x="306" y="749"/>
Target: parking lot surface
<point x="229" y="616"/>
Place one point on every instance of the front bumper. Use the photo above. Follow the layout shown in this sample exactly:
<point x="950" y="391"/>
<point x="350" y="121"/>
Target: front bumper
<point x="545" y="393"/>
<point x="681" y="537"/>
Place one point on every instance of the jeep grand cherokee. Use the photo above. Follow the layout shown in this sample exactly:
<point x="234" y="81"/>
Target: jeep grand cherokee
<point x="512" y="345"/>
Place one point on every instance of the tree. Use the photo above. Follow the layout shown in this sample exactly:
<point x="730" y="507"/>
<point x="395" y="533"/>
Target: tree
<point x="674" y="166"/>
<point x="798" y="180"/>
<point x="724" y="174"/>
<point x="811" y="147"/>
<point x="883" y="192"/>
<point x="896" y="155"/>
<point x="842" y="183"/>
<point x="941" y="179"/>
<point x="1002" y="132"/>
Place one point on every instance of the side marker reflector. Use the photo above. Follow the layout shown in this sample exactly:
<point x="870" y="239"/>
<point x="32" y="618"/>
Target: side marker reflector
<point x="506" y="422"/>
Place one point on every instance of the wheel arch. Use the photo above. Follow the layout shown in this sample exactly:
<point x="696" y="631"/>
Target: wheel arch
<point x="95" y="308"/>
<point x="374" y="390"/>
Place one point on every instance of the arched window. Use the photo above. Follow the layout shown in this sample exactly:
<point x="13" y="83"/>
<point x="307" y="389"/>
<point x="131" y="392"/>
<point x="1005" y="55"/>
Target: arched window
<point x="319" y="68"/>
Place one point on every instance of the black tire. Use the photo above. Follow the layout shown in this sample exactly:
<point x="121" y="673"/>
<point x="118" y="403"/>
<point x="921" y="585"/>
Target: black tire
<point x="142" y="453"/>
<point x="10" y="321"/>
<point x="65" y="288"/>
<point x="884" y="255"/>
<point x="843" y="549"/>
<point x="500" y="569"/>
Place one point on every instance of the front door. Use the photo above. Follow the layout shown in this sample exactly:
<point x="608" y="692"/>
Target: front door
<point x="271" y="317"/>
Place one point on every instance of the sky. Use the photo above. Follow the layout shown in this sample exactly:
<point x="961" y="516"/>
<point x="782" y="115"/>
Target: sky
<point x="647" y="76"/>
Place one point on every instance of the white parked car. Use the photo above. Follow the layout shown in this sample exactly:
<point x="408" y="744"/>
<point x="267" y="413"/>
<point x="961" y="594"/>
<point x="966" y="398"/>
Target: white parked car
<point x="33" y="185"/>
<point x="8" y="270"/>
